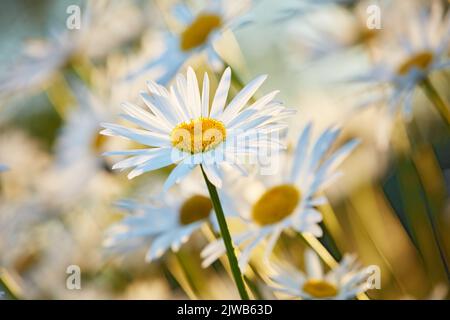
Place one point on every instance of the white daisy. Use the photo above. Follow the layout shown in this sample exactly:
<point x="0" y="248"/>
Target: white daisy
<point x="336" y="30"/>
<point x="269" y="205"/>
<point x="166" y="223"/>
<point x="181" y="128"/>
<point x="420" y="50"/>
<point x="343" y="282"/>
<point x="78" y="150"/>
<point x="79" y="144"/>
<point x="201" y="26"/>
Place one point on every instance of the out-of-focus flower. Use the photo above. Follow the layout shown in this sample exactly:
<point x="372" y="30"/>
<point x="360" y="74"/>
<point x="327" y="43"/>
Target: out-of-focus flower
<point x="335" y="30"/>
<point x="269" y="205"/>
<point x="439" y="292"/>
<point x="79" y="145"/>
<point x="100" y="32"/>
<point x="341" y="283"/>
<point x="183" y="129"/>
<point x="421" y="49"/>
<point x="304" y="7"/>
<point x="201" y="27"/>
<point x="19" y="150"/>
<point x="165" y="223"/>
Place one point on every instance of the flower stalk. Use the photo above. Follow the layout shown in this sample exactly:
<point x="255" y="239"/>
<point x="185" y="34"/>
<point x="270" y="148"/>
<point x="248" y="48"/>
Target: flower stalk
<point x="436" y="99"/>
<point x="225" y="233"/>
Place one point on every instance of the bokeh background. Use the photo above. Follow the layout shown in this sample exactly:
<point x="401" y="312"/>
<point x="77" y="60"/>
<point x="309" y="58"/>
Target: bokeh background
<point x="57" y="199"/>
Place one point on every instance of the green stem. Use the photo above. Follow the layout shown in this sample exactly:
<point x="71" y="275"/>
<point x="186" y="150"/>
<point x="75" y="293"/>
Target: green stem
<point x="7" y="290"/>
<point x="226" y="238"/>
<point x="328" y="242"/>
<point x="436" y="99"/>
<point x="437" y="239"/>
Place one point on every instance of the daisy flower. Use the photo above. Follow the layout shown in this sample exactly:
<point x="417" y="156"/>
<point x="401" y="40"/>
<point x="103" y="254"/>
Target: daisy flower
<point x="77" y="151"/>
<point x="181" y="128"/>
<point x="269" y="205"/>
<point x="79" y="143"/>
<point x="343" y="282"/>
<point x="335" y="30"/>
<point x="200" y="28"/>
<point x="421" y="49"/>
<point x="166" y="223"/>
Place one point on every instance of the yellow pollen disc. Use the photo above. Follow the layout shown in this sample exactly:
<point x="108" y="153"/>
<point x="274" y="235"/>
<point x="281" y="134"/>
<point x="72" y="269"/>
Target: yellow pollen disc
<point x="194" y="209"/>
<point x="198" y="32"/>
<point x="276" y="204"/>
<point x="319" y="288"/>
<point x="419" y="61"/>
<point x="366" y="35"/>
<point x="198" y="135"/>
<point x="98" y="142"/>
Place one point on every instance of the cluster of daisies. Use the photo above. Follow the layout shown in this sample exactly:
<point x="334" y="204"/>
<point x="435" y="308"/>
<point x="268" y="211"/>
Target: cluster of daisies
<point x="267" y="184"/>
<point x="181" y="127"/>
<point x="188" y="126"/>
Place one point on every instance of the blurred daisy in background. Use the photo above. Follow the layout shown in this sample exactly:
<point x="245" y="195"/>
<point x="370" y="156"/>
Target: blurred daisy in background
<point x="287" y="199"/>
<point x="335" y="30"/>
<point x="79" y="146"/>
<point x="101" y="31"/>
<point x="342" y="282"/>
<point x="300" y="8"/>
<point x="166" y="222"/>
<point x="22" y="208"/>
<point x="181" y="128"/>
<point x="28" y="154"/>
<point x="420" y="48"/>
<point x="438" y="292"/>
<point x="200" y="26"/>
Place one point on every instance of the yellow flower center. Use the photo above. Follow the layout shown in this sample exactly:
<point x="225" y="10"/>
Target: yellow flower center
<point x="98" y="142"/>
<point x="194" y="209"/>
<point x="420" y="61"/>
<point x="276" y="204"/>
<point x="319" y="288"/>
<point x="198" y="135"/>
<point x="366" y="35"/>
<point x="198" y="32"/>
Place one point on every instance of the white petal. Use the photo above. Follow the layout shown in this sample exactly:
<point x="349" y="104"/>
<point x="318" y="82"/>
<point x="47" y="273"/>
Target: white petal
<point x="157" y="89"/>
<point x="148" y="138"/>
<point x="193" y="93"/>
<point x="139" y="159"/>
<point x="150" y="122"/>
<point x="159" y="246"/>
<point x="162" y="159"/>
<point x="214" y="175"/>
<point x="246" y="254"/>
<point x="161" y="107"/>
<point x="313" y="265"/>
<point x="220" y="98"/>
<point x="212" y="252"/>
<point x="205" y="96"/>
<point x="301" y="152"/>
<point x="321" y="146"/>
<point x="241" y="99"/>
<point x="180" y="171"/>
